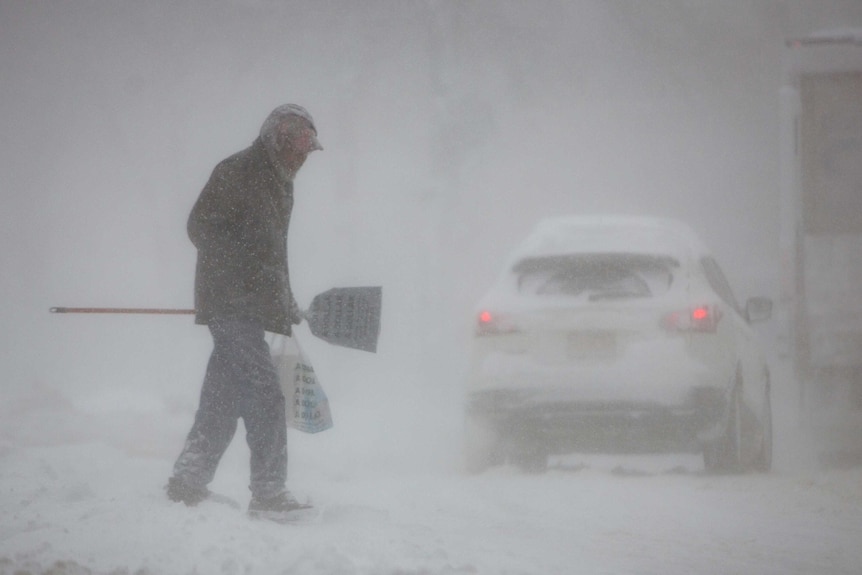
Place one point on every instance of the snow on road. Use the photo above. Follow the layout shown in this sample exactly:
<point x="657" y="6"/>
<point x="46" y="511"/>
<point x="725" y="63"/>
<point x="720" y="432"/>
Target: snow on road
<point x="93" y="502"/>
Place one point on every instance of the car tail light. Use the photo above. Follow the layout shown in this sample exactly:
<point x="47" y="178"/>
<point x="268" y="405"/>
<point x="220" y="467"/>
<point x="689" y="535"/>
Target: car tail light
<point x="702" y="318"/>
<point x="489" y="323"/>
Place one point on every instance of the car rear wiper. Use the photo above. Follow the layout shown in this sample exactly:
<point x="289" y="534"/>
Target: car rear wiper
<point x="616" y="295"/>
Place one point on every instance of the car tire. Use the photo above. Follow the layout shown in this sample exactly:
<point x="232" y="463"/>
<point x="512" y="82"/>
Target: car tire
<point x="482" y="447"/>
<point x="763" y="461"/>
<point x="724" y="454"/>
<point x="531" y="461"/>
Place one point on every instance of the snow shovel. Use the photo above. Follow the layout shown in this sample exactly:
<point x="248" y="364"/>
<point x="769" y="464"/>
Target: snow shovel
<point x="347" y="317"/>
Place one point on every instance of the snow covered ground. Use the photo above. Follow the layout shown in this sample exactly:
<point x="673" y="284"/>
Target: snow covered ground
<point x="81" y="492"/>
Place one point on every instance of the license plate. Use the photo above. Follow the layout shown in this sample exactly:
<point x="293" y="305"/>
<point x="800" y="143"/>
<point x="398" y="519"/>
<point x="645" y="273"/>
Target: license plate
<point x="591" y="345"/>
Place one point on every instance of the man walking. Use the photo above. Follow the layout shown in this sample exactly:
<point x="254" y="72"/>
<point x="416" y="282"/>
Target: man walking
<point x="242" y="289"/>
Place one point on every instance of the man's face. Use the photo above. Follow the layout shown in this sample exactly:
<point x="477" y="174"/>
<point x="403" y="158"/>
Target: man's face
<point x="299" y="141"/>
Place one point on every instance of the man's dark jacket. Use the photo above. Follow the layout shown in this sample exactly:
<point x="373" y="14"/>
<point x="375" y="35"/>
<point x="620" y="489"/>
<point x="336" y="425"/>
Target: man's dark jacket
<point x="239" y="226"/>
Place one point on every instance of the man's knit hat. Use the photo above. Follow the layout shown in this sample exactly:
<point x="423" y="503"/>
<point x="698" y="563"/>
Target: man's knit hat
<point x="283" y="112"/>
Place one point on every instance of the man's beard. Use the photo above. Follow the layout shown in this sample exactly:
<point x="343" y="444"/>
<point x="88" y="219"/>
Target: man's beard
<point x="283" y="172"/>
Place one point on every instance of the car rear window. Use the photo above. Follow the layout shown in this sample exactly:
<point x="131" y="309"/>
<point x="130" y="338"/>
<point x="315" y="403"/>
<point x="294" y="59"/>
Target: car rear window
<point x="596" y="276"/>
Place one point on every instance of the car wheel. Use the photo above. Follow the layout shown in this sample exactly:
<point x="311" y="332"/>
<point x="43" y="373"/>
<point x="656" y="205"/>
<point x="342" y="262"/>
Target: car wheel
<point x="482" y="447"/>
<point x="531" y="461"/>
<point x="763" y="462"/>
<point x="724" y="455"/>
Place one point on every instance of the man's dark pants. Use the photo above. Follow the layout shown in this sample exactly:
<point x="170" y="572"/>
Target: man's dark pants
<point x="241" y="381"/>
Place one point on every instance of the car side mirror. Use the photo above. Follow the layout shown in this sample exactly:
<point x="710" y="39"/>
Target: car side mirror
<point x="758" y="309"/>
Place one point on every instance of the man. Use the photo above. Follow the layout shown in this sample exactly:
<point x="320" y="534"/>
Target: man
<point x="242" y="289"/>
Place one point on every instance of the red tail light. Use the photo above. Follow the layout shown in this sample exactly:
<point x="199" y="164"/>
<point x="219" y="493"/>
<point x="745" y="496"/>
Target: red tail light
<point x="492" y="324"/>
<point x="703" y="318"/>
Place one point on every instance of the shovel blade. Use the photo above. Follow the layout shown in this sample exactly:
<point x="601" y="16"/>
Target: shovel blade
<point x="348" y="317"/>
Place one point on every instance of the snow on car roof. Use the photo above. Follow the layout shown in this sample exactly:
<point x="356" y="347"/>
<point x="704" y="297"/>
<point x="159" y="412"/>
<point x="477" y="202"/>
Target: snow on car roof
<point x="843" y="35"/>
<point x="611" y="234"/>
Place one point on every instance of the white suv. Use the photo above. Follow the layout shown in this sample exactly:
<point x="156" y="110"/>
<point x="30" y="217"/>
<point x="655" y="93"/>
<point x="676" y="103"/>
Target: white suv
<point x="616" y="334"/>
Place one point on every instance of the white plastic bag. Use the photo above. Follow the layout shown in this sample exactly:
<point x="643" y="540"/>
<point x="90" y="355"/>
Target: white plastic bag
<point x="306" y="402"/>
